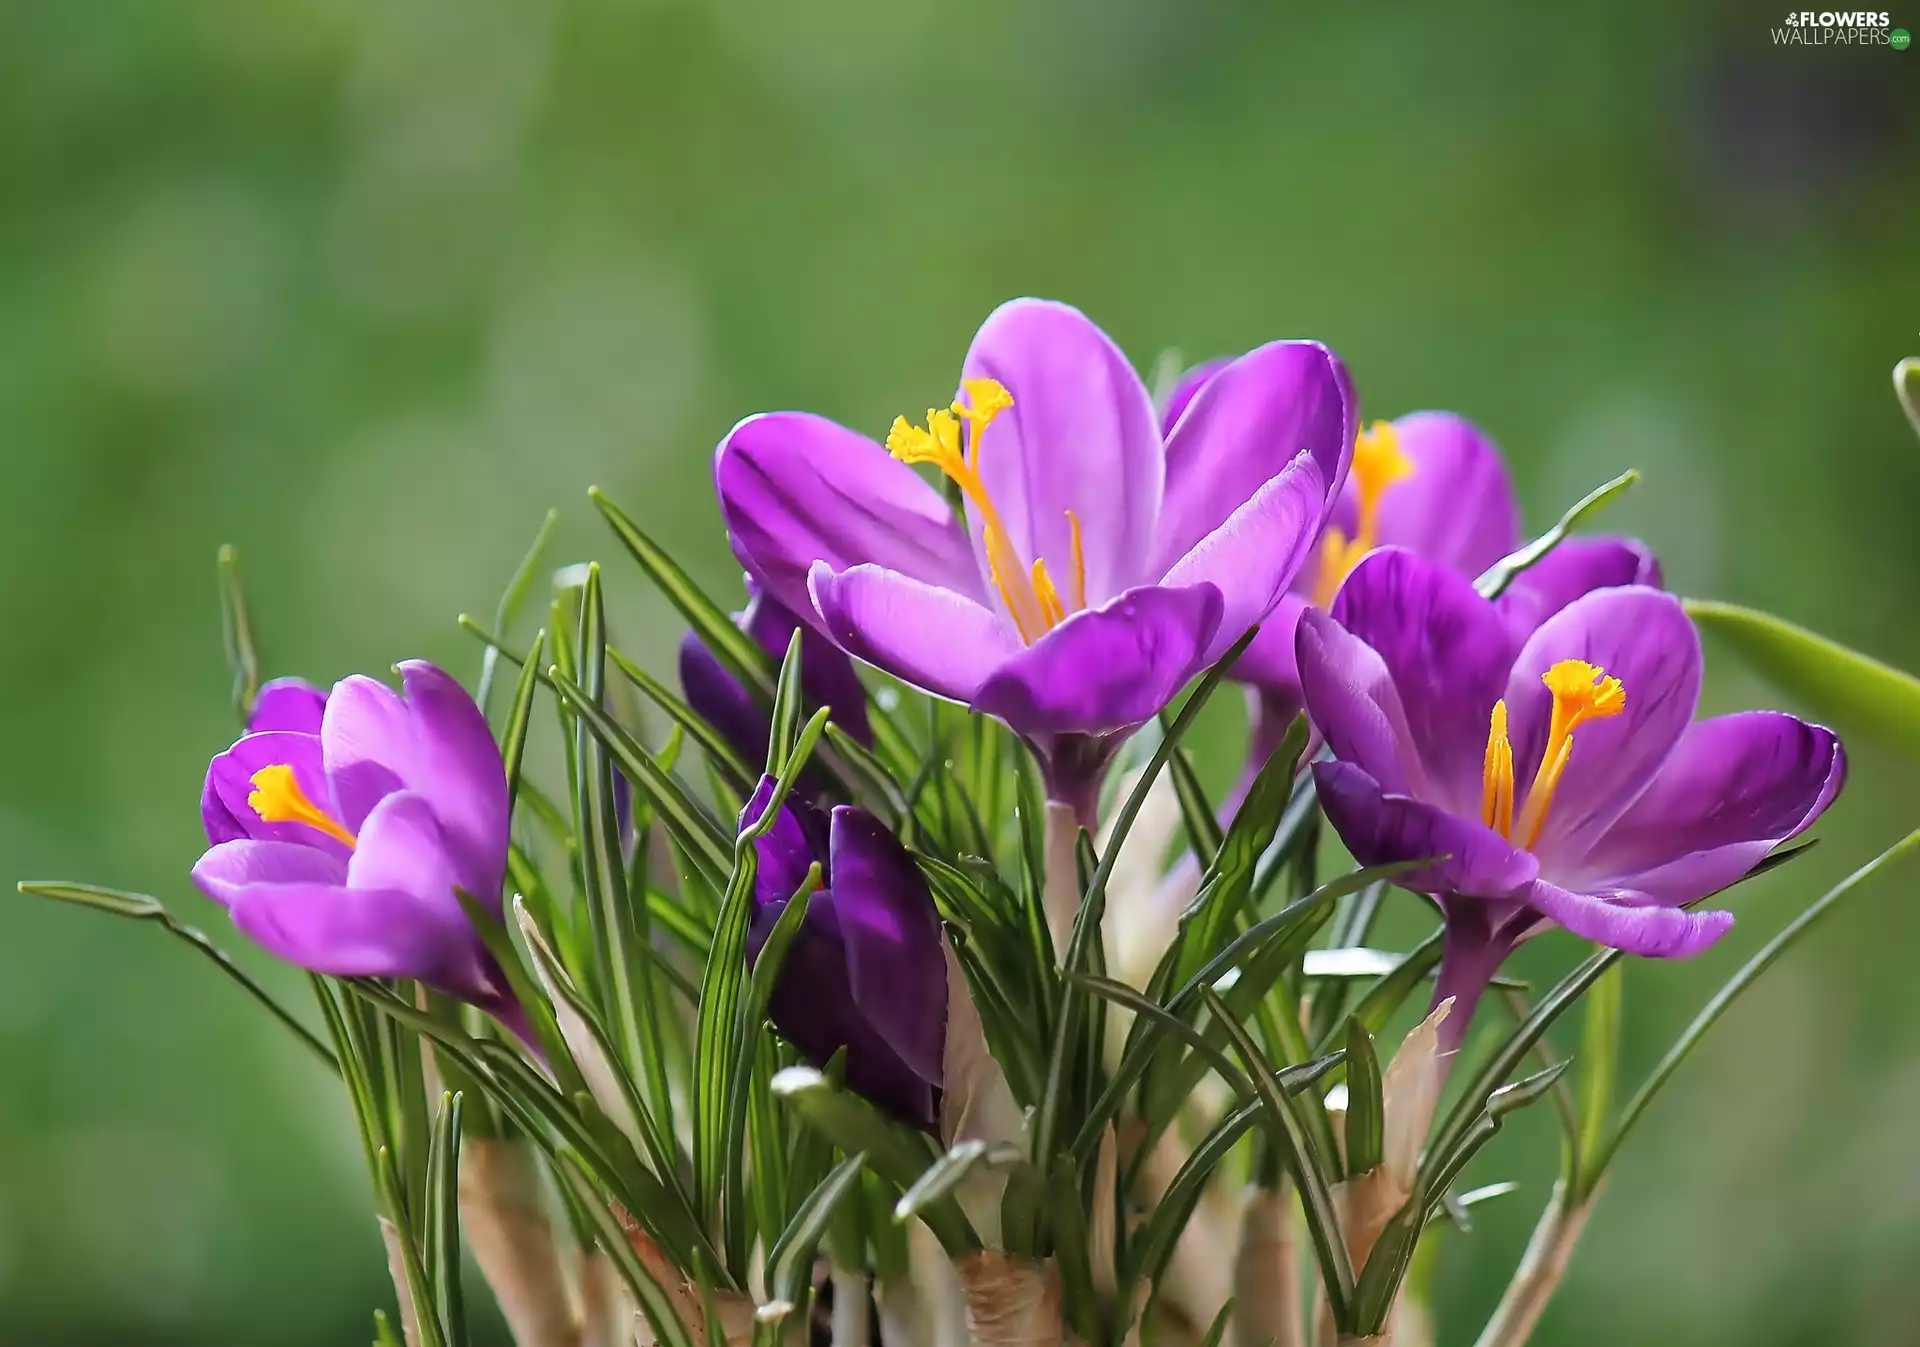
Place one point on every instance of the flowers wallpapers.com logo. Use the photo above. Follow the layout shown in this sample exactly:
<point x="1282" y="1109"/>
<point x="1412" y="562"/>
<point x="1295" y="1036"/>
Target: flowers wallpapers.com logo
<point x="1841" y="28"/>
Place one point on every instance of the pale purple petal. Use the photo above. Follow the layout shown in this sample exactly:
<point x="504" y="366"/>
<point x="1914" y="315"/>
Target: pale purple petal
<point x="457" y="767"/>
<point x="1736" y="787"/>
<point x="896" y="967"/>
<point x="1448" y="654"/>
<point x="1245" y="425"/>
<point x="1577" y="566"/>
<point x="287" y="704"/>
<point x="1629" y="921"/>
<point x="1108" y="668"/>
<point x="223" y="803"/>
<point x="347" y="932"/>
<point x="1381" y="828"/>
<point x="402" y="846"/>
<point x="1642" y="637"/>
<point x="788" y="849"/>
<point x="1253" y="556"/>
<point x="368" y="738"/>
<point x="1184" y="390"/>
<point x="225" y="870"/>
<point x="1081" y="436"/>
<point x="936" y="639"/>
<point x="1352" y="701"/>
<point x="1457" y="508"/>
<point x="796" y="489"/>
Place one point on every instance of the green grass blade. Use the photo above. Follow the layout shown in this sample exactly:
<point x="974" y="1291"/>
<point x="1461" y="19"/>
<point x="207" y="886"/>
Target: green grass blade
<point x="1494" y="581"/>
<point x="236" y="632"/>
<point x="1365" y="1108"/>
<point x="512" y="599"/>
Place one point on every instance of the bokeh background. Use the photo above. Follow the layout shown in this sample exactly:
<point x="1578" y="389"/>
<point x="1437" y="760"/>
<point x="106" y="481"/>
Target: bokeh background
<point x="363" y="286"/>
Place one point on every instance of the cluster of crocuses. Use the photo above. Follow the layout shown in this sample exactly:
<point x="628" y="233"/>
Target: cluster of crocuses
<point x="1074" y="559"/>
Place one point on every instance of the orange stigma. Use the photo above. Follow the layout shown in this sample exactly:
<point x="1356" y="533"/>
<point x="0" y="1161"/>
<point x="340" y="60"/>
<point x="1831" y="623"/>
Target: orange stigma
<point x="1032" y="599"/>
<point x="277" y="798"/>
<point x="1378" y="463"/>
<point x="1581" y="692"/>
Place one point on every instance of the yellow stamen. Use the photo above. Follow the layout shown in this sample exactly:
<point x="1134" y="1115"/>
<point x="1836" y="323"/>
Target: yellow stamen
<point x="277" y="798"/>
<point x="1496" y="795"/>
<point x="1378" y="463"/>
<point x="1581" y="692"/>
<point x="1079" y="564"/>
<point x="951" y="442"/>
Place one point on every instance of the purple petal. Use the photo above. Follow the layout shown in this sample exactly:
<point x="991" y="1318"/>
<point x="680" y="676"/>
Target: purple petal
<point x="1448" y="654"/>
<point x="814" y="1009"/>
<point x="231" y="867"/>
<point x="796" y="489"/>
<point x="936" y="639"/>
<point x="1269" y="663"/>
<point x="1244" y="426"/>
<point x="1577" y="566"/>
<point x="1458" y="507"/>
<point x="1642" y="637"/>
<point x="720" y="699"/>
<point x="1352" y="701"/>
<point x="1183" y="392"/>
<point x="1629" y="921"/>
<point x="1381" y="828"/>
<point x="896" y="968"/>
<point x="457" y="767"/>
<point x="1254" y="555"/>
<point x="788" y="849"/>
<point x="1080" y="436"/>
<point x="347" y="932"/>
<point x="403" y="847"/>
<point x="287" y="704"/>
<point x="223" y="802"/>
<point x="1735" y="788"/>
<point x="368" y="738"/>
<point x="1108" y="668"/>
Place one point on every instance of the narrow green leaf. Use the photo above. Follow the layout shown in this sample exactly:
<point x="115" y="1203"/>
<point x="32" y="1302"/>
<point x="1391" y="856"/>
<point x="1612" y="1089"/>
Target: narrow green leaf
<point x="790" y="1263"/>
<point x="1217" y="1331"/>
<point x="1858" y="693"/>
<point x="1387" y="994"/>
<point x="512" y="599"/>
<point x="141" y="907"/>
<point x="1196" y="811"/>
<point x="737" y="651"/>
<point x="947" y="1173"/>
<point x="419" y="1288"/>
<point x="1288" y="1135"/>
<point x="1493" y="583"/>
<point x="1365" y="1109"/>
<point x="513" y="735"/>
<point x="443" y="1219"/>
<point x="713" y="743"/>
<point x="1151" y="1249"/>
<point x="786" y="707"/>
<point x="1599" y="1061"/>
<point x="1729" y="992"/>
<point x="894" y="1152"/>
<point x="236" y="631"/>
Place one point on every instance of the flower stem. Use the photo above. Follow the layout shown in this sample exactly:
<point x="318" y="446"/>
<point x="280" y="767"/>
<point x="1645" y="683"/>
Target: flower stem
<point x="1062" y="892"/>
<point x="850" y="1327"/>
<point x="1540" y="1270"/>
<point x="1010" y="1302"/>
<point x="1266" y="1304"/>
<point x="1470" y="954"/>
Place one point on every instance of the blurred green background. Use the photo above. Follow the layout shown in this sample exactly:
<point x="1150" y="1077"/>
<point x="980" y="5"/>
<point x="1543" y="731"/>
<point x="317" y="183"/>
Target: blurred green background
<point x="364" y="286"/>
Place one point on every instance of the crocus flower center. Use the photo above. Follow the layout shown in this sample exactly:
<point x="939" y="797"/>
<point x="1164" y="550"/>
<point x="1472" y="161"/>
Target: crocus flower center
<point x="277" y="798"/>
<point x="1581" y="692"/>
<point x="1378" y="463"/>
<point x="1032" y="599"/>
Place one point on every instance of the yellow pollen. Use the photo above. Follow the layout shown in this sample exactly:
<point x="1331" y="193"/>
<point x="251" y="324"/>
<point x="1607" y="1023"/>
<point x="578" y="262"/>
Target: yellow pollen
<point x="277" y="798"/>
<point x="1378" y="463"/>
<point x="951" y="442"/>
<point x="1496" y="795"/>
<point x="1581" y="692"/>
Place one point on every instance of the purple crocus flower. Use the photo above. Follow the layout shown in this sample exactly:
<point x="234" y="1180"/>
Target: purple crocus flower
<point x="1100" y="563"/>
<point x="866" y="971"/>
<point x="341" y="825"/>
<point x="827" y="679"/>
<point x="1555" y="765"/>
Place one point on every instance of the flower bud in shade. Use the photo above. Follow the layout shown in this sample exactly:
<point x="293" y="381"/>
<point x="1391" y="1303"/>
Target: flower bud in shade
<point x="867" y="970"/>
<point x="341" y="850"/>
<point x="1097" y="563"/>
<point x="1556" y="767"/>
<point x="827" y="679"/>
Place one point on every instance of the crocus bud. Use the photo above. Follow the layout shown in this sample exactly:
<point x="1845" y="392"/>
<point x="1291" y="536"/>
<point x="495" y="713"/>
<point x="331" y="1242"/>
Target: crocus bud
<point x="866" y="972"/>
<point x="826" y="679"/>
